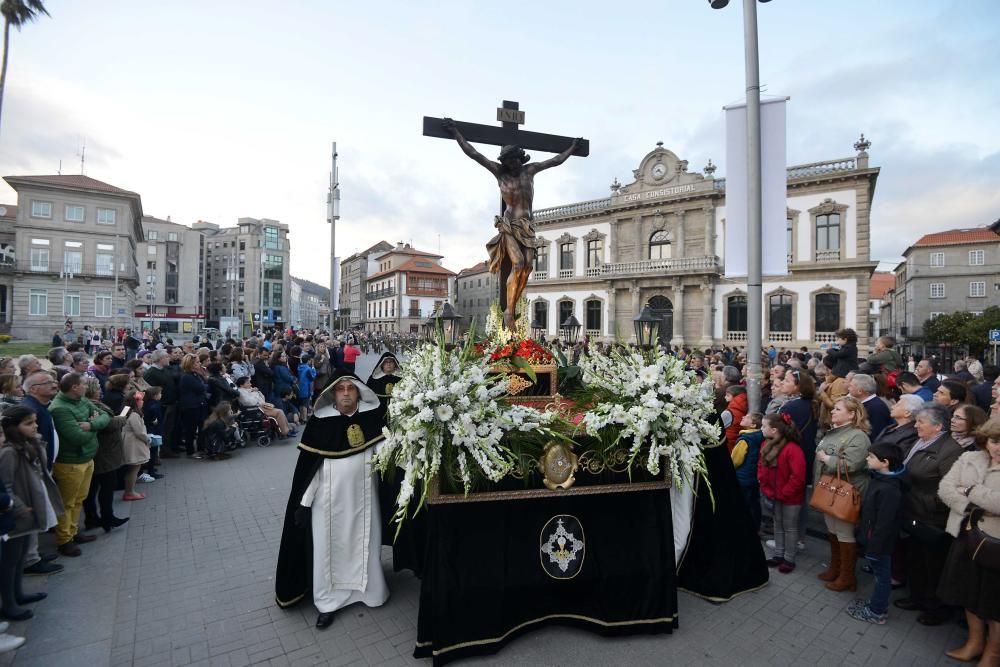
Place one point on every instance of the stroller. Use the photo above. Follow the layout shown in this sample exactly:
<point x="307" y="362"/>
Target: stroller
<point x="254" y="426"/>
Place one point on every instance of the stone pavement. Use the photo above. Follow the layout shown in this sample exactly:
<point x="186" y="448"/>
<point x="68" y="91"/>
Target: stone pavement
<point x="189" y="581"/>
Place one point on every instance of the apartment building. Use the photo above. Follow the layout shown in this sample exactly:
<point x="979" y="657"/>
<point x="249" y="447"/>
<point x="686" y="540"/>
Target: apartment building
<point x="354" y="272"/>
<point x="246" y="273"/>
<point x="74" y="256"/>
<point x="475" y="289"/>
<point x="171" y="292"/>
<point x="408" y="287"/>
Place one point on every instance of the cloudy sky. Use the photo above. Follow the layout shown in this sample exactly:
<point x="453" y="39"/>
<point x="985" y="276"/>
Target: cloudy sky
<point x="222" y="109"/>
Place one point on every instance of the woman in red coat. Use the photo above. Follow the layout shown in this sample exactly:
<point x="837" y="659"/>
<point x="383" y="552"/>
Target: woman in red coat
<point x="781" y="471"/>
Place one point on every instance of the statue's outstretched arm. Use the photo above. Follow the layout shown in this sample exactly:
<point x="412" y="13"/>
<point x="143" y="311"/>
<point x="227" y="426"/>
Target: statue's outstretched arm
<point x="554" y="161"/>
<point x="467" y="148"/>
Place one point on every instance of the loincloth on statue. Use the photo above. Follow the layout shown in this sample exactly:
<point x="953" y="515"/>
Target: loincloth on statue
<point x="522" y="230"/>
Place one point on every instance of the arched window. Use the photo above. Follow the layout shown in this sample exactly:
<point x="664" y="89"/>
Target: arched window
<point x="565" y="310"/>
<point x="736" y="307"/>
<point x="593" y="309"/>
<point x="827" y="312"/>
<point x="542" y="258"/>
<point x="541" y="314"/>
<point x="659" y="245"/>
<point x="780" y="313"/>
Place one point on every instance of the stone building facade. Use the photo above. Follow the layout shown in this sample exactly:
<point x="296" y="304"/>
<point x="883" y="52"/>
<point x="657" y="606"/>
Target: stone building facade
<point x="660" y="240"/>
<point x="475" y="289"/>
<point x="75" y="244"/>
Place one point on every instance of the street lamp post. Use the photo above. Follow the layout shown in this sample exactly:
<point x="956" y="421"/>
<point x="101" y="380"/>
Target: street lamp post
<point x="647" y="326"/>
<point x="571" y="329"/>
<point x="754" y="203"/>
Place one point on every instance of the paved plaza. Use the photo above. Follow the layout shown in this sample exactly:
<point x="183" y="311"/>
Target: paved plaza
<point x="189" y="581"/>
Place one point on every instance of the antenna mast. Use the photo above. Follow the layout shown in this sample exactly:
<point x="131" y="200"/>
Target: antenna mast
<point x="332" y="215"/>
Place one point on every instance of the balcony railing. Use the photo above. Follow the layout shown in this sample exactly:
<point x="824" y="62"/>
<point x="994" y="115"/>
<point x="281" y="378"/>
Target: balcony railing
<point x="660" y="265"/>
<point x="643" y="266"/>
<point x="779" y="337"/>
<point x="828" y="255"/>
<point x="593" y="333"/>
<point x="380" y="293"/>
<point x="77" y="269"/>
<point x="413" y="312"/>
<point x="825" y="337"/>
<point x="573" y="209"/>
<point x="736" y="336"/>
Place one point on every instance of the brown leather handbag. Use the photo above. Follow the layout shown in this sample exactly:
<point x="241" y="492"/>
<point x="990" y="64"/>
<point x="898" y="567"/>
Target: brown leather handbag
<point x="984" y="548"/>
<point x="836" y="496"/>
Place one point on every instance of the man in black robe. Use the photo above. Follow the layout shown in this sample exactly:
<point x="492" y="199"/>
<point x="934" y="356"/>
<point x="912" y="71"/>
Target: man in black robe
<point x="334" y="497"/>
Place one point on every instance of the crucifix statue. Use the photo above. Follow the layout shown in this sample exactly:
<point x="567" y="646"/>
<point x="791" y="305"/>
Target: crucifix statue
<point x="512" y="250"/>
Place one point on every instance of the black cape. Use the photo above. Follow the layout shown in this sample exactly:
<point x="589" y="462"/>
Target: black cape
<point x="410" y="543"/>
<point x="724" y="556"/>
<point x="324" y="438"/>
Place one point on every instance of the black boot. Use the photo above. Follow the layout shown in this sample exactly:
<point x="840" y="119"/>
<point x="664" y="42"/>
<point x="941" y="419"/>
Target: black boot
<point x="19" y="594"/>
<point x="11" y="561"/>
<point x="113" y="522"/>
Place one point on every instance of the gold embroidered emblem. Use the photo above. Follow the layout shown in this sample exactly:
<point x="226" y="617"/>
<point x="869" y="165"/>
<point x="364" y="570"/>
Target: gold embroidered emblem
<point x="388" y="389"/>
<point x="355" y="436"/>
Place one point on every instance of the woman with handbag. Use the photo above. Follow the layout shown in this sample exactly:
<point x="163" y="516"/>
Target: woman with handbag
<point x="843" y="452"/>
<point x="968" y="581"/>
<point x="925" y="516"/>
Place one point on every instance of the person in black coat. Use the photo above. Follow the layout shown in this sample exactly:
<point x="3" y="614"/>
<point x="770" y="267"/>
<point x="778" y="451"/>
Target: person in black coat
<point x="982" y="393"/>
<point x="263" y="376"/>
<point x="219" y="388"/>
<point x="863" y="387"/>
<point x="843" y="357"/>
<point x="193" y="401"/>
<point x="902" y="431"/>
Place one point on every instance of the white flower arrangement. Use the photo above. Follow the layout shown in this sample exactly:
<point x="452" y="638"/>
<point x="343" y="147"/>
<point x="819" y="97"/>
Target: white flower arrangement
<point x="665" y="410"/>
<point x="446" y="399"/>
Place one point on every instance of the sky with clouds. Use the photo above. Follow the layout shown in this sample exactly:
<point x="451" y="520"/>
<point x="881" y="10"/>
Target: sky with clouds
<point x="224" y="109"/>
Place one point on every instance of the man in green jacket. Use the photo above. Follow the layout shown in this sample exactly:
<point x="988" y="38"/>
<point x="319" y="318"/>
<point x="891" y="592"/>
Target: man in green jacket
<point x="77" y="422"/>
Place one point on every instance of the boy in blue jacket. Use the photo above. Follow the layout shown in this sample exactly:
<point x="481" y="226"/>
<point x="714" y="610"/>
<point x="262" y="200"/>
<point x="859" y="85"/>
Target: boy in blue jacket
<point x="745" y="455"/>
<point x="881" y="521"/>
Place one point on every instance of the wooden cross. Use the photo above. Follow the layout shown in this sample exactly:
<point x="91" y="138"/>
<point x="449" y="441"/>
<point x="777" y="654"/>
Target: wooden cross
<point x="507" y="134"/>
<point x="510" y="116"/>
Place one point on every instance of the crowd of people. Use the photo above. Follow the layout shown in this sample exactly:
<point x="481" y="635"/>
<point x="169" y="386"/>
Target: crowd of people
<point x="920" y="448"/>
<point x="921" y="451"/>
<point x="104" y="411"/>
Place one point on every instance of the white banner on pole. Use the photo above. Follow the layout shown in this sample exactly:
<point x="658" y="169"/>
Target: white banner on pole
<point x="773" y="188"/>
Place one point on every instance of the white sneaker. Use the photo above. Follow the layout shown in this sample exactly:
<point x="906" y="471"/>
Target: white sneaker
<point x="10" y="642"/>
<point x="799" y="546"/>
<point x="146" y="477"/>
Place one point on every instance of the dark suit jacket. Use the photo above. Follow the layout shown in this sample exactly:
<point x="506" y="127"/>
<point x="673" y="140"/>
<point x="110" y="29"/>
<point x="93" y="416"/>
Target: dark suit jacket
<point x="925" y="471"/>
<point x="878" y="414"/>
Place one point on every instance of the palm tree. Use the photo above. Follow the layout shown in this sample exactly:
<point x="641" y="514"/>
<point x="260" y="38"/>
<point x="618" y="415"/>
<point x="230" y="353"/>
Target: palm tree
<point x="16" y="13"/>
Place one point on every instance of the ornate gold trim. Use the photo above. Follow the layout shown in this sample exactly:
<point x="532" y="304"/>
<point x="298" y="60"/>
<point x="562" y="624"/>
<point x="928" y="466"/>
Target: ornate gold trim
<point x="434" y="497"/>
<point x="339" y="455"/>
<point x="578" y="617"/>
<point x="541" y="556"/>
<point x="731" y="597"/>
<point x="285" y="605"/>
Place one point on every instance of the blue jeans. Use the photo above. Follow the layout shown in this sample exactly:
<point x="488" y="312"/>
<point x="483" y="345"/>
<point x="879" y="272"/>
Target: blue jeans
<point x="882" y="571"/>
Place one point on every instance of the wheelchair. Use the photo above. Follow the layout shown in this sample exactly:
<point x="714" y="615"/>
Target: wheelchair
<point x="255" y="426"/>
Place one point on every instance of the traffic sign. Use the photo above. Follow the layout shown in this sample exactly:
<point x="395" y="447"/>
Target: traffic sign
<point x="995" y="335"/>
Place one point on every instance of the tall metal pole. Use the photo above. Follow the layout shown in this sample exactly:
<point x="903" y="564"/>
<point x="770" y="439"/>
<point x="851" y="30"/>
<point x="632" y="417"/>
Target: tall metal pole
<point x="332" y="215"/>
<point x="754" y="205"/>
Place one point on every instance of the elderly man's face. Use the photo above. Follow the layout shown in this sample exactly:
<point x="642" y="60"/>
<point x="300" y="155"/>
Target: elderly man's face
<point x="346" y="397"/>
<point x="924" y="369"/>
<point x="854" y="390"/>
